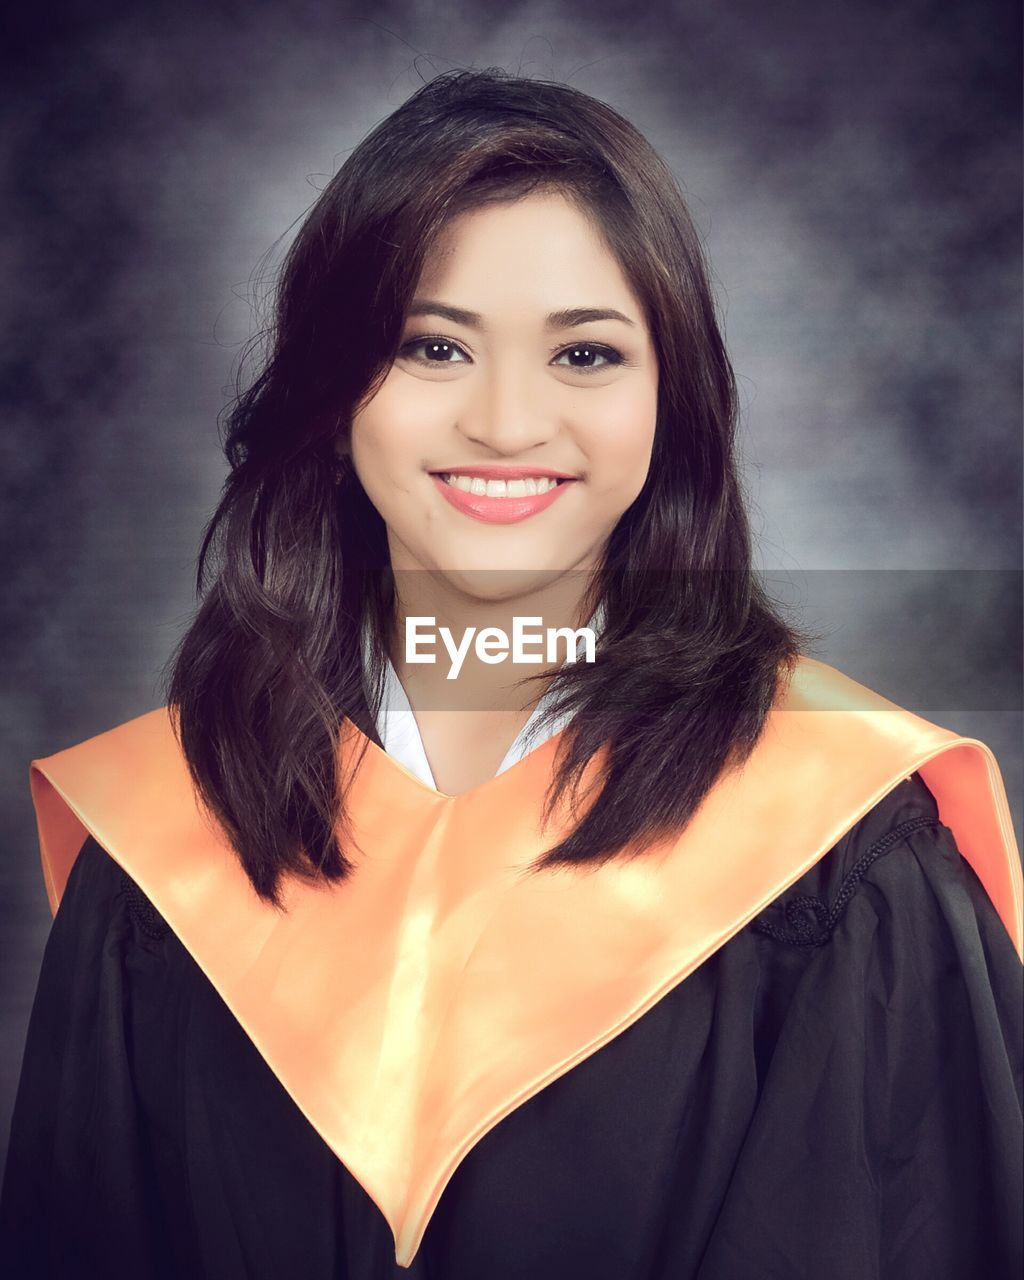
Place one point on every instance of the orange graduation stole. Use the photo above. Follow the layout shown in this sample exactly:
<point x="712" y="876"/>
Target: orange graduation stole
<point x="412" y="1008"/>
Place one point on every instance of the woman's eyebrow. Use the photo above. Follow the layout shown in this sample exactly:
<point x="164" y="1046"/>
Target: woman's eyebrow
<point x="556" y="320"/>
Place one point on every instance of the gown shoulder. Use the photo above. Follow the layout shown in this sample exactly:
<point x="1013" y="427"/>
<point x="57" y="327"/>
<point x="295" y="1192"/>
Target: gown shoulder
<point x="892" y="1026"/>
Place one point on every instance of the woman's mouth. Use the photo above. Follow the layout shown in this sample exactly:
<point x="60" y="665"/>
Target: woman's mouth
<point x="499" y="501"/>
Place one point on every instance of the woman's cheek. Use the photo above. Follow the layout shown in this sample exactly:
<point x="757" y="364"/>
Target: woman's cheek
<point x="617" y="434"/>
<point x="408" y="414"/>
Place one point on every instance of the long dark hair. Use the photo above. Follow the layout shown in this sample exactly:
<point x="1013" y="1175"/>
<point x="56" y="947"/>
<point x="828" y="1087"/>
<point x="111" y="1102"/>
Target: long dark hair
<point x="691" y="658"/>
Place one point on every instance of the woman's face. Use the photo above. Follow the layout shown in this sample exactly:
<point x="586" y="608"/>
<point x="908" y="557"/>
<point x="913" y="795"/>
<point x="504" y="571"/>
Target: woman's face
<point x="512" y="365"/>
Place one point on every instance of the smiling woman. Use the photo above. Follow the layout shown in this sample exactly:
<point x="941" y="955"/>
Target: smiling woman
<point x="497" y="402"/>
<point x="700" y="960"/>
<point x="475" y="415"/>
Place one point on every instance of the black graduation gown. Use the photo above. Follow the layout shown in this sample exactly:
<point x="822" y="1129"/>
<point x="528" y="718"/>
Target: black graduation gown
<point x="836" y="1092"/>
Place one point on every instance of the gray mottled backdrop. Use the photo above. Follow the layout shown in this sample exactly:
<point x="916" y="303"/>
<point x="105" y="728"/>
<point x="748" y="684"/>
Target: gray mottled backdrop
<point x="854" y="167"/>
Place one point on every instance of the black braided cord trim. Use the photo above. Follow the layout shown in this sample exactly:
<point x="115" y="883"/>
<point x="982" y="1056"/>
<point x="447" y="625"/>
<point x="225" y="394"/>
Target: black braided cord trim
<point x="146" y="916"/>
<point x="802" y="933"/>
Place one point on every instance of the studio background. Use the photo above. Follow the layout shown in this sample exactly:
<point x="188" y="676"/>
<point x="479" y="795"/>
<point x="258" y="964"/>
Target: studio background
<point x="854" y="168"/>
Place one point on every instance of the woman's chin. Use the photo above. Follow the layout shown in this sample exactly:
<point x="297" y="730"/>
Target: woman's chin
<point x="492" y="582"/>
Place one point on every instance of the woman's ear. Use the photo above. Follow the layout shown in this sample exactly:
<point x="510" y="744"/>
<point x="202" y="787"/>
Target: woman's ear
<point x="342" y="457"/>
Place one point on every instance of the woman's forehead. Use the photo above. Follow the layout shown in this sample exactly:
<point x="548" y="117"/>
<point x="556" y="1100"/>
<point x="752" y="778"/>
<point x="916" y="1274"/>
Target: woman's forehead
<point x="540" y="250"/>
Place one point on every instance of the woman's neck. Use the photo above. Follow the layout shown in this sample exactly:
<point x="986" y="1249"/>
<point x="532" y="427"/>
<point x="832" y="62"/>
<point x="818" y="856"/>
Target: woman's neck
<point x="442" y="640"/>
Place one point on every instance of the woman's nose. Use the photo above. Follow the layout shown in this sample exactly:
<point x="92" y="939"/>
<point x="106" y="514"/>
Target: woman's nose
<point x="505" y="412"/>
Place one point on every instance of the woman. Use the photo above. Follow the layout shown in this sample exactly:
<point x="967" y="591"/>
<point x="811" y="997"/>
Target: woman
<point x="667" y="967"/>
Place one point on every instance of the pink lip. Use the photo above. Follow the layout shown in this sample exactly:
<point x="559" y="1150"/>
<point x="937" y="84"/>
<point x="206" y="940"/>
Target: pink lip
<point x="498" y="510"/>
<point x="492" y="471"/>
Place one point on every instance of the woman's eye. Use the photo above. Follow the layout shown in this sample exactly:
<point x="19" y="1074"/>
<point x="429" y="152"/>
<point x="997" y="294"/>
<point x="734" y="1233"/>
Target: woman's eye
<point x="585" y="356"/>
<point x="435" y="350"/>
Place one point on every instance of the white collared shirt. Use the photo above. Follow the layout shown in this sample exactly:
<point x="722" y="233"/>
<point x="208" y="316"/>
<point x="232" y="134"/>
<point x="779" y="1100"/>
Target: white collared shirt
<point x="400" y="734"/>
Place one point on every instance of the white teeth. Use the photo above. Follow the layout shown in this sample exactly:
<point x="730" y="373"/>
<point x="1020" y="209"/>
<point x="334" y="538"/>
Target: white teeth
<point x="528" y="486"/>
